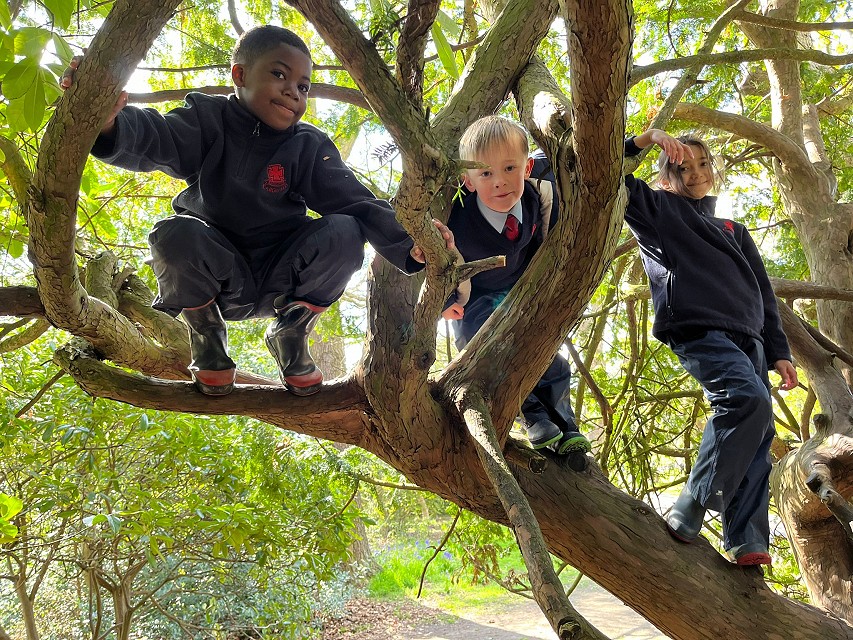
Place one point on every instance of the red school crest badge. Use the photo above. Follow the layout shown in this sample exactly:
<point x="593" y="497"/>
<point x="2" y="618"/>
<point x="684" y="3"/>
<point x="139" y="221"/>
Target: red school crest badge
<point x="275" y="181"/>
<point x="730" y="226"/>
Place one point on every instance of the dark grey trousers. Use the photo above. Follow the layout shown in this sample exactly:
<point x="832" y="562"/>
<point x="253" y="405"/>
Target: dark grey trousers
<point x="195" y="263"/>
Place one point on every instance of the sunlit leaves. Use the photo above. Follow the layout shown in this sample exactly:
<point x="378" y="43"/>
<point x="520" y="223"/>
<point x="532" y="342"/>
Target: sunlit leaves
<point x="9" y="508"/>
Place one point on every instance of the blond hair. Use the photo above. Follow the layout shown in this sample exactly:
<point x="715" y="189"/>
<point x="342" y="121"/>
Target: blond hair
<point x="491" y="131"/>
<point x="669" y="177"/>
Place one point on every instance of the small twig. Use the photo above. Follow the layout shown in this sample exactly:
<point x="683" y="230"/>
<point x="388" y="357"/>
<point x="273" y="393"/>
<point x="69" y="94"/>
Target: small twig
<point x="40" y="393"/>
<point x="546" y="585"/>
<point x="438" y="549"/>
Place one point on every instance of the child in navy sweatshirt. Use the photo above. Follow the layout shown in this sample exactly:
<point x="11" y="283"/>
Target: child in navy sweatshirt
<point x="502" y="213"/>
<point x="240" y="243"/>
<point x="716" y="310"/>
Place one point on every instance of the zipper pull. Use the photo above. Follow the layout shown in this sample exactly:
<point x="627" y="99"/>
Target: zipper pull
<point x="257" y="130"/>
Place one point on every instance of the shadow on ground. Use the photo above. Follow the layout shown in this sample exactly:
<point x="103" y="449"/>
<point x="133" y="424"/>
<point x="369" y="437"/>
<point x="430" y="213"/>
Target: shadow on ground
<point x="510" y="618"/>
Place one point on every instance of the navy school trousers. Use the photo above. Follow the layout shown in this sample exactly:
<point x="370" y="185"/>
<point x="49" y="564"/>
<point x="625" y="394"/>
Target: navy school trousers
<point x="550" y="397"/>
<point x="732" y="469"/>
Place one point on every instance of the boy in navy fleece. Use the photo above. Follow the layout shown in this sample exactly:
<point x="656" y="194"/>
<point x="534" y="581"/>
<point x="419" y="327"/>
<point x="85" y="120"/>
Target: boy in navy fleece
<point x="241" y="244"/>
<point x="716" y="310"/>
<point x="501" y="213"/>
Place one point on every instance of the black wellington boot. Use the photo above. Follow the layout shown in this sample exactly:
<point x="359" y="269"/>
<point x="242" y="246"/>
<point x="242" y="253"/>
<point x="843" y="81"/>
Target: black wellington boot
<point x="287" y="340"/>
<point x="686" y="517"/>
<point x="212" y="370"/>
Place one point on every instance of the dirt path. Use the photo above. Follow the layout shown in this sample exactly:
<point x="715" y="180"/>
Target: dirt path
<point x="512" y="618"/>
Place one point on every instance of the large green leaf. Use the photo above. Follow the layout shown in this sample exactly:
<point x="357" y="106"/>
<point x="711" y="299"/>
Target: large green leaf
<point x="62" y="11"/>
<point x="20" y="78"/>
<point x="445" y="52"/>
<point x="34" y="106"/>
<point x="31" y="41"/>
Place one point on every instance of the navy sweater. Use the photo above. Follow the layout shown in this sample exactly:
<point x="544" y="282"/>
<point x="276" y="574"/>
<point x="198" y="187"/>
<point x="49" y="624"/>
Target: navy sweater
<point x="704" y="272"/>
<point x="477" y="239"/>
<point x="251" y="182"/>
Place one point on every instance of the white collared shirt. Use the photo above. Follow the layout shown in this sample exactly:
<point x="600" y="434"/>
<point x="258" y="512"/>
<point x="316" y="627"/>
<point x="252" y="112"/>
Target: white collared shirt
<point x="498" y="219"/>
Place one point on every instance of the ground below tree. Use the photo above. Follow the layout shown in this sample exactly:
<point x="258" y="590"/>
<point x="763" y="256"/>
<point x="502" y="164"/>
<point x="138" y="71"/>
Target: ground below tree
<point x="506" y="618"/>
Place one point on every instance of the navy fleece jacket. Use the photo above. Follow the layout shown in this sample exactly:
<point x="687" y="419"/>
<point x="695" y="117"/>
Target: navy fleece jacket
<point x="251" y="182"/>
<point x="704" y="272"/>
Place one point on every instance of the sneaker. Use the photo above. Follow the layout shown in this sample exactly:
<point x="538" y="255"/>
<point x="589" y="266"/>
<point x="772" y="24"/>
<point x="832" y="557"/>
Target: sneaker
<point x="750" y="554"/>
<point x="571" y="442"/>
<point x="543" y="433"/>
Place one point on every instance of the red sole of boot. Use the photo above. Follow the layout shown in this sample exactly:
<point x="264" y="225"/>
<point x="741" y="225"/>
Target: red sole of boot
<point x="752" y="559"/>
<point x="306" y="385"/>
<point x="215" y="383"/>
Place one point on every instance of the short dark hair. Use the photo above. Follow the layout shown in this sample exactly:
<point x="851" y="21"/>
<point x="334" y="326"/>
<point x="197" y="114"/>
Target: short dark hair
<point x="257" y="41"/>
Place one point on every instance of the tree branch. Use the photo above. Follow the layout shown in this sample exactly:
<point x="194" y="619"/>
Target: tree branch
<point x="642" y="72"/>
<point x="402" y="118"/>
<point x="335" y="414"/>
<point x="51" y="207"/>
<point x="787" y="151"/>
<point x="546" y="585"/>
<point x="494" y="66"/>
<point x="410" y="49"/>
<point x="791" y="25"/>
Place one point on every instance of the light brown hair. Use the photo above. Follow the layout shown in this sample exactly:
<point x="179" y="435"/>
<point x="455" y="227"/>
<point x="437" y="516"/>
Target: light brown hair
<point x="488" y="132"/>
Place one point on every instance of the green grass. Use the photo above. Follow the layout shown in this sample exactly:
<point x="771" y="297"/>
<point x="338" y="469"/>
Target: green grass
<point x="446" y="584"/>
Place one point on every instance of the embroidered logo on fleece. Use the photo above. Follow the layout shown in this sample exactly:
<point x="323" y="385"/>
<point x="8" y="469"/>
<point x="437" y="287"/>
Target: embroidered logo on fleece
<point x="730" y="226"/>
<point x="275" y="181"/>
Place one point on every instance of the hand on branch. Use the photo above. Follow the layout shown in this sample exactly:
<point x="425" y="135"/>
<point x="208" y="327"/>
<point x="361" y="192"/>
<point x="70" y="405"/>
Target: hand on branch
<point x="418" y="254"/>
<point x="68" y="79"/>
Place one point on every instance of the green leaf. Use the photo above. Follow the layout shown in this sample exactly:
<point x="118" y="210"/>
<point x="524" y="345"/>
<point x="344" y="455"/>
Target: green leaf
<point x="448" y="24"/>
<point x="16" y="248"/>
<point x="10" y="506"/>
<point x="49" y="86"/>
<point x="15" y="115"/>
<point x="8" y="532"/>
<point x="445" y="53"/>
<point x="34" y="103"/>
<point x="5" y="16"/>
<point x="91" y="521"/>
<point x="114" y="521"/>
<point x="62" y="11"/>
<point x="63" y="51"/>
<point x="31" y="41"/>
<point x="20" y="78"/>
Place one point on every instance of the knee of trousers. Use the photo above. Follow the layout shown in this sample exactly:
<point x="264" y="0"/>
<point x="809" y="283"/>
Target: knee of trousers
<point x="343" y="238"/>
<point x="754" y="403"/>
<point x="179" y="236"/>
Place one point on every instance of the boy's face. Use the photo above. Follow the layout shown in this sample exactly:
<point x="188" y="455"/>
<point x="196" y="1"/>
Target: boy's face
<point x="501" y="184"/>
<point x="274" y="87"/>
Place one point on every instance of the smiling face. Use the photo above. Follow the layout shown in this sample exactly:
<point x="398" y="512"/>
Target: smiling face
<point x="501" y="184"/>
<point x="274" y="87"/>
<point x="697" y="177"/>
